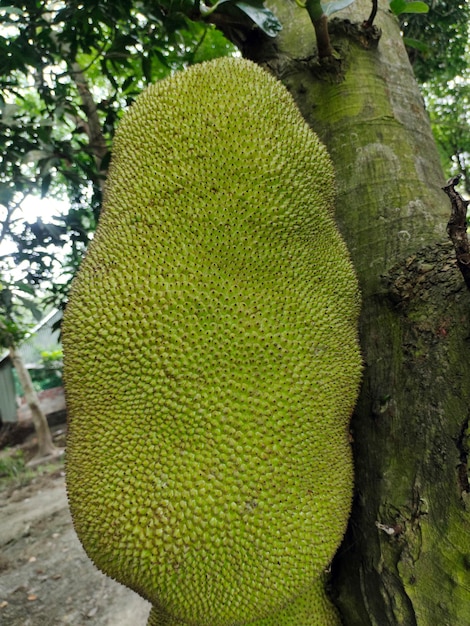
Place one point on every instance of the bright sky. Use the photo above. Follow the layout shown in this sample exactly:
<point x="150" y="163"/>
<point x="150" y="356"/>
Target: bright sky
<point x="33" y="207"/>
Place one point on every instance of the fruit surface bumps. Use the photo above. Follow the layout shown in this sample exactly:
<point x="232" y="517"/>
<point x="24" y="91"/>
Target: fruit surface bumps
<point x="313" y="607"/>
<point x="211" y="357"/>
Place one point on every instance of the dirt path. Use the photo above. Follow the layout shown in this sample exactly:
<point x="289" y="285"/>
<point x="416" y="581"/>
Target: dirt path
<point x="45" y="577"/>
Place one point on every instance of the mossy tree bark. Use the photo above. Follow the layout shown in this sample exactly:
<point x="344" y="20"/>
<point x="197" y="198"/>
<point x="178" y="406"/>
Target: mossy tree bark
<point x="406" y="557"/>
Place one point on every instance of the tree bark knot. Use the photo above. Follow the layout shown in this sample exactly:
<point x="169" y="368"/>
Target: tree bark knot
<point x="429" y="274"/>
<point x="457" y="227"/>
<point x="367" y="36"/>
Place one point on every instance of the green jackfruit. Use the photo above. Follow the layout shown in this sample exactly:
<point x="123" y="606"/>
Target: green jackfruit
<point x="313" y="607"/>
<point x="211" y="357"/>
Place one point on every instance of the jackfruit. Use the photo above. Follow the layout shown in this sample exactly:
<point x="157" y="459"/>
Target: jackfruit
<point x="313" y="607"/>
<point x="211" y="356"/>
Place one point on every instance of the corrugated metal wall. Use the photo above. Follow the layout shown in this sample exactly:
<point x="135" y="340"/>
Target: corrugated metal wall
<point x="7" y="392"/>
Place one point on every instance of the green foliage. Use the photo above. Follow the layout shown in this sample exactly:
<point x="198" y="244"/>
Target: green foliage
<point x="11" y="332"/>
<point x="438" y="49"/>
<point x="254" y="10"/>
<point x="14" y="472"/>
<point x="11" y="464"/>
<point x="50" y="375"/>
<point x="399" y="7"/>
<point x="52" y="359"/>
<point x="45" y="379"/>
<point x="67" y="71"/>
<point x="439" y="39"/>
<point x="328" y="8"/>
<point x="437" y="44"/>
<point x="18" y="312"/>
<point x="449" y="109"/>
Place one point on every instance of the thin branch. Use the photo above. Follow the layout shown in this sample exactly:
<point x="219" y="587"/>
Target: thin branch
<point x="320" y="24"/>
<point x="463" y="169"/>
<point x="370" y="20"/>
<point x="199" y="44"/>
<point x="82" y="70"/>
<point x="457" y="228"/>
<point x="5" y="227"/>
<point x="324" y="46"/>
<point x="6" y="224"/>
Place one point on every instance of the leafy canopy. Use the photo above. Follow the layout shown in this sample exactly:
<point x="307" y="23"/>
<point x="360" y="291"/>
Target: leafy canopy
<point x="67" y="71"/>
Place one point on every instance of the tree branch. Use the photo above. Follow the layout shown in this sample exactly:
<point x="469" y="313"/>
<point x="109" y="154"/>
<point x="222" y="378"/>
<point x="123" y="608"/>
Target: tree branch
<point x="5" y="226"/>
<point x="370" y="20"/>
<point x="320" y="24"/>
<point x="93" y="129"/>
<point x="325" y="48"/>
<point x="46" y="446"/>
<point x="457" y="228"/>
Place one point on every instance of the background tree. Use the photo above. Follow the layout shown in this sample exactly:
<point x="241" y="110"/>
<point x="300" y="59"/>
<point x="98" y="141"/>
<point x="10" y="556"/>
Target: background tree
<point x="440" y="58"/>
<point x="67" y="74"/>
<point x="449" y="106"/>
<point x="12" y="331"/>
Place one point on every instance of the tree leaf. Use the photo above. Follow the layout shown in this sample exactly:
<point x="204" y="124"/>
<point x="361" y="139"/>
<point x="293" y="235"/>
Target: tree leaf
<point x="31" y="306"/>
<point x="400" y="6"/>
<point x="332" y="7"/>
<point x="416" y="7"/>
<point x="397" y="6"/>
<point x="146" y="62"/>
<point x="254" y="10"/>
<point x="24" y="287"/>
<point x="6" y="300"/>
<point x="415" y="43"/>
<point x="10" y="9"/>
<point x="261" y="16"/>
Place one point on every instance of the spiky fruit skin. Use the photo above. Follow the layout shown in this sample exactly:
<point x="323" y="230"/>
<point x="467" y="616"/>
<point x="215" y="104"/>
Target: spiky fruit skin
<point x="211" y="356"/>
<point x="311" y="608"/>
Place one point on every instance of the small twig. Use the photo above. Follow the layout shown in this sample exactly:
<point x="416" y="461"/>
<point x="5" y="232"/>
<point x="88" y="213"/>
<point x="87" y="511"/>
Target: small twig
<point x="320" y="23"/>
<point x="457" y="227"/>
<point x="370" y="20"/>
<point x="11" y="207"/>
<point x="324" y="46"/>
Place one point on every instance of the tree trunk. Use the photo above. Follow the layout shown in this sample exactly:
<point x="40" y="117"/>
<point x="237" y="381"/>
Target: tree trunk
<point x="45" y="444"/>
<point x="406" y="557"/>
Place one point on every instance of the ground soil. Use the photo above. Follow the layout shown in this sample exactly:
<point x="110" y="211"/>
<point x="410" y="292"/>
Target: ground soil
<point x="46" y="579"/>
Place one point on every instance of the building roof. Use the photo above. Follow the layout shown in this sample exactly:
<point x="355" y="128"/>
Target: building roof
<point x="42" y="338"/>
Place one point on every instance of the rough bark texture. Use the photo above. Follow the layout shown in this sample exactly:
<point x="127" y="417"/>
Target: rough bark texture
<point x="45" y="444"/>
<point x="405" y="559"/>
<point x="457" y="228"/>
